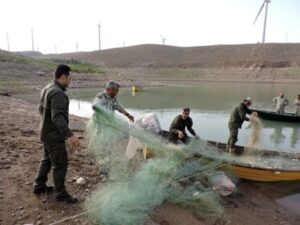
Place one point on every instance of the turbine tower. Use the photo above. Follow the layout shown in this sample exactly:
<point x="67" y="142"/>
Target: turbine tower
<point x="99" y="35"/>
<point x="7" y="39"/>
<point x="265" y="4"/>
<point x="163" y="40"/>
<point x="32" y="39"/>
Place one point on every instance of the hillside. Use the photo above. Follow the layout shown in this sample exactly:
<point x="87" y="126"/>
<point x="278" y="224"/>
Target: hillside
<point x="162" y="56"/>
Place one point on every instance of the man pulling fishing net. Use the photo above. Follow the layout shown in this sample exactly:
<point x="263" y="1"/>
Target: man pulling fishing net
<point x="108" y="101"/>
<point x="237" y="118"/>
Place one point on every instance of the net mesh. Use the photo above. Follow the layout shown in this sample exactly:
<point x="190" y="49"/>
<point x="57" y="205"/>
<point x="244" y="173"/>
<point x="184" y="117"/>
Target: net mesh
<point x="136" y="187"/>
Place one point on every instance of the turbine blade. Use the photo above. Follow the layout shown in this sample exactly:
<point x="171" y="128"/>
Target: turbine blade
<point x="261" y="8"/>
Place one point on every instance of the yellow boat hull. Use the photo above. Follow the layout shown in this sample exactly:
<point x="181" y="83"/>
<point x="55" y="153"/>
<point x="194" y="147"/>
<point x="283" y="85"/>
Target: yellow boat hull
<point x="265" y="175"/>
<point x="249" y="173"/>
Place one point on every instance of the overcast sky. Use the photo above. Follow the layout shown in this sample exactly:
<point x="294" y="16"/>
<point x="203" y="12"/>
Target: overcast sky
<point x="60" y="24"/>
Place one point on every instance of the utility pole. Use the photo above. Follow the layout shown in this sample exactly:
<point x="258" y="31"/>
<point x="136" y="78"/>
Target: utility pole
<point x="32" y="39"/>
<point x="7" y="38"/>
<point x="76" y="46"/>
<point x="99" y="34"/>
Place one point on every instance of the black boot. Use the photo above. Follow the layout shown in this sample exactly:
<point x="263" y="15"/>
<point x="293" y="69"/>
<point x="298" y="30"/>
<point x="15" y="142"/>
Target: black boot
<point x="42" y="190"/>
<point x="67" y="199"/>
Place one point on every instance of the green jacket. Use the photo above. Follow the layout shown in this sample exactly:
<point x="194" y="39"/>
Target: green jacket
<point x="238" y="116"/>
<point x="54" y="109"/>
<point x="180" y="124"/>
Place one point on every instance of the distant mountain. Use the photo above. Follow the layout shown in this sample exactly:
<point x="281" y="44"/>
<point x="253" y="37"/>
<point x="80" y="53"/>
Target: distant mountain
<point x="155" y="56"/>
<point x="31" y="53"/>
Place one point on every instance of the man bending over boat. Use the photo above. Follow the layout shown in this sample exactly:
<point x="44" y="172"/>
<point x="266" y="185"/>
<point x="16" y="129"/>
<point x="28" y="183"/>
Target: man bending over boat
<point x="237" y="117"/>
<point x="281" y="102"/>
<point x="177" y="128"/>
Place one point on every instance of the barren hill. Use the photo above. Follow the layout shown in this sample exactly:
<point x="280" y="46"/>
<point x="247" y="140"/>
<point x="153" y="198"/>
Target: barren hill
<point x="162" y="56"/>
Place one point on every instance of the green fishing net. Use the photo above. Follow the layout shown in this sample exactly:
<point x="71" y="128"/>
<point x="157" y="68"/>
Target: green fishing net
<point x="136" y="187"/>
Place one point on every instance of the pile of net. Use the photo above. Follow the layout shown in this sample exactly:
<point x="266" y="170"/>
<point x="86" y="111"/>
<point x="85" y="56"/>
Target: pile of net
<point x="135" y="186"/>
<point x="187" y="175"/>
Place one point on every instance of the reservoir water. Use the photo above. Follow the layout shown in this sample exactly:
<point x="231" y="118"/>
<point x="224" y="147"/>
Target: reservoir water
<point x="211" y="104"/>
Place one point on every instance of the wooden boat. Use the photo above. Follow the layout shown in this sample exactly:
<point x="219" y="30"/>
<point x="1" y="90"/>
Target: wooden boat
<point x="245" y="170"/>
<point x="261" y="173"/>
<point x="267" y="115"/>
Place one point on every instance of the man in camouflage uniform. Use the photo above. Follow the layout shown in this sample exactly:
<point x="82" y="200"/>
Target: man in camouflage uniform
<point x="54" y="131"/>
<point x="107" y="99"/>
<point x="237" y="117"/>
<point x="281" y="103"/>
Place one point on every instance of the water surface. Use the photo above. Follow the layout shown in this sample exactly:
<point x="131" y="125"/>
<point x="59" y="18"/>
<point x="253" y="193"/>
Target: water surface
<point x="211" y="104"/>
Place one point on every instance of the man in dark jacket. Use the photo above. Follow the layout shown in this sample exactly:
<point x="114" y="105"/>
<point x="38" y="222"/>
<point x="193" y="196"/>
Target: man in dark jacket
<point x="237" y="117"/>
<point x="177" y="128"/>
<point x="54" y="131"/>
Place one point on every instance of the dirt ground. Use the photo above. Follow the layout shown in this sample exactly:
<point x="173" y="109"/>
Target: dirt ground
<point x="20" y="152"/>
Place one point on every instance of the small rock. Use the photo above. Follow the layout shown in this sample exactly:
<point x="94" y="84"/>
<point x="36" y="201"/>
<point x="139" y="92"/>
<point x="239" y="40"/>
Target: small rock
<point x="39" y="222"/>
<point x="39" y="217"/>
<point x="27" y="131"/>
<point x="15" y="155"/>
<point x="27" y="183"/>
<point x="81" y="181"/>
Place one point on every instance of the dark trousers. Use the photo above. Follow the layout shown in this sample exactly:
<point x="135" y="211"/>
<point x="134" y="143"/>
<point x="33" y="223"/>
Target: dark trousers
<point x="174" y="138"/>
<point x="233" y="138"/>
<point x="55" y="156"/>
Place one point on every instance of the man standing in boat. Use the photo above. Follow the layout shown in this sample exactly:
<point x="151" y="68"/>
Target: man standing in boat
<point x="297" y="104"/>
<point x="237" y="117"/>
<point x="177" y="128"/>
<point x="281" y="102"/>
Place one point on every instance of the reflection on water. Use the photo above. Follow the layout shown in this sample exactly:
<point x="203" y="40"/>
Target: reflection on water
<point x="211" y="105"/>
<point x="278" y="136"/>
<point x="295" y="136"/>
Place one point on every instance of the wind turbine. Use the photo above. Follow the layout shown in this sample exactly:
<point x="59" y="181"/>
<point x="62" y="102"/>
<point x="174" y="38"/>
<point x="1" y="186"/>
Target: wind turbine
<point x="163" y="40"/>
<point x="265" y="3"/>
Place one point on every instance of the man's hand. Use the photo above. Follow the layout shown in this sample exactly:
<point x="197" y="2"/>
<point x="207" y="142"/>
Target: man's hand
<point x="130" y="117"/>
<point x="196" y="137"/>
<point x="74" y="142"/>
<point x="180" y="134"/>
